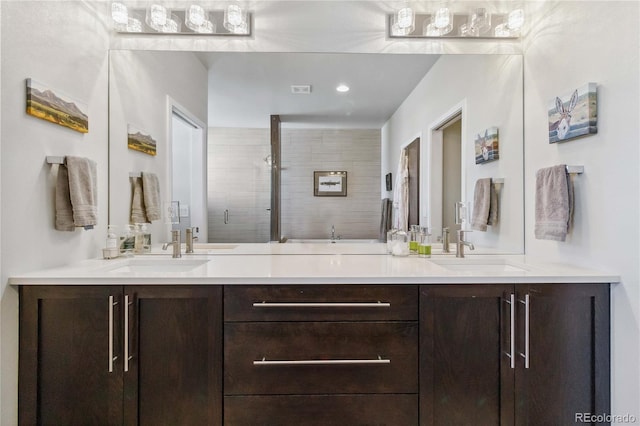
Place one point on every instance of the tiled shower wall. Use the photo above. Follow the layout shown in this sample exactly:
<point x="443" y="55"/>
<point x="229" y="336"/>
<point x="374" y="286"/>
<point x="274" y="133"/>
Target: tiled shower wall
<point x="355" y="151"/>
<point x="239" y="181"/>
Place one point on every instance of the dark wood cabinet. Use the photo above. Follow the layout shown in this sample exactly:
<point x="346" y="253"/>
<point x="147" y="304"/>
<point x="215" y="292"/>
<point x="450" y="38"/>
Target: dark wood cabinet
<point x="567" y="352"/>
<point x="120" y="355"/>
<point x="504" y="354"/>
<point x="67" y="343"/>
<point x="465" y="372"/>
<point x="280" y="355"/>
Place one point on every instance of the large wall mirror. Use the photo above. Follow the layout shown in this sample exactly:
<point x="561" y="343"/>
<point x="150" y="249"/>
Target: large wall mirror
<point x="209" y="116"/>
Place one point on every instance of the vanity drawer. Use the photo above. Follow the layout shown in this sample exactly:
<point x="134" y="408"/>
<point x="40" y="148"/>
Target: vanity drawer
<point x="320" y="357"/>
<point x="321" y="410"/>
<point x="321" y="303"/>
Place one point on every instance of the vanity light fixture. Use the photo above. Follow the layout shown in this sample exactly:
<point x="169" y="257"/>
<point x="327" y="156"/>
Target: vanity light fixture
<point x="512" y="26"/>
<point x="342" y="88"/>
<point x="119" y="13"/>
<point x="157" y="17"/>
<point x="443" y="20"/>
<point x="192" y="20"/>
<point x="197" y="20"/>
<point x="235" y="19"/>
<point x="477" y="23"/>
<point x="403" y="21"/>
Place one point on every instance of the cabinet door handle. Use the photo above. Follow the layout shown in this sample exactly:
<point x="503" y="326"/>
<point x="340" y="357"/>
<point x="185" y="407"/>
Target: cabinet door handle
<point x="377" y="361"/>
<point x="226" y="217"/>
<point x="512" y="330"/>
<point x="527" y="317"/>
<point x="111" y="357"/>
<point x="323" y="305"/>
<point x="127" y="357"/>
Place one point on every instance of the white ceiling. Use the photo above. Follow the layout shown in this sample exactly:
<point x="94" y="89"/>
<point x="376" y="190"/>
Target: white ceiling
<point x="245" y="88"/>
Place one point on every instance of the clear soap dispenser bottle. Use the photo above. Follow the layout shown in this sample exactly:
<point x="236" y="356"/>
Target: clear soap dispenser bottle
<point x="112" y="237"/>
<point x="127" y="241"/>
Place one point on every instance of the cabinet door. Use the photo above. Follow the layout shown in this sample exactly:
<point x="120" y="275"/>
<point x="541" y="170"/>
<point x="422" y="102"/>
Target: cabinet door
<point x="563" y="345"/>
<point x="69" y="336"/>
<point x="172" y="374"/>
<point x="466" y="376"/>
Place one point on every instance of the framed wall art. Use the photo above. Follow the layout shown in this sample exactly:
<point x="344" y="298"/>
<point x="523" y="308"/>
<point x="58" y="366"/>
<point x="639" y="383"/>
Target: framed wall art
<point x="330" y="184"/>
<point x="55" y="107"/>
<point x="574" y="114"/>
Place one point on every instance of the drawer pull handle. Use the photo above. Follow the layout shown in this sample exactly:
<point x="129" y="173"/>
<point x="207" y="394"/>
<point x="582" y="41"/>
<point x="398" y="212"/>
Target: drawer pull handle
<point x="323" y="305"/>
<point x="527" y="322"/>
<point x="111" y="356"/>
<point x="512" y="321"/>
<point x="377" y="361"/>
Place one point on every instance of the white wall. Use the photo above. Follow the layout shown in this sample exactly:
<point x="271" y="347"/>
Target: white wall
<point x="73" y="61"/>
<point x="489" y="90"/>
<point x="570" y="43"/>
<point x="576" y="43"/>
<point x="140" y="83"/>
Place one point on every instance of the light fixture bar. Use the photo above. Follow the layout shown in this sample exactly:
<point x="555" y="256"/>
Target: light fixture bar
<point x="188" y="20"/>
<point x="422" y="20"/>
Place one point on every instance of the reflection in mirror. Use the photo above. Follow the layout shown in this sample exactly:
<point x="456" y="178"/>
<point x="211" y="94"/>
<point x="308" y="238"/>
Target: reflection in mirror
<point x="393" y="99"/>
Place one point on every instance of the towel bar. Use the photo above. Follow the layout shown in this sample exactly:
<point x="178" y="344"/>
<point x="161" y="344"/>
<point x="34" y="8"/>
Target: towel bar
<point x="497" y="180"/>
<point x="578" y="170"/>
<point x="135" y="175"/>
<point x="55" y="160"/>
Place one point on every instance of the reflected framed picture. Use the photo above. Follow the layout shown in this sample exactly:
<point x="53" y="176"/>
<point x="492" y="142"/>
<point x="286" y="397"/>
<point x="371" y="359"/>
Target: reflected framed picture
<point x="139" y="140"/>
<point x="330" y="184"/>
<point x="487" y="146"/>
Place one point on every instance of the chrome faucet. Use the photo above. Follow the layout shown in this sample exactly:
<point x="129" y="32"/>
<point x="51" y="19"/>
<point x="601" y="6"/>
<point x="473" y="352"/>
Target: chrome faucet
<point x="461" y="243"/>
<point x="445" y="240"/>
<point x="333" y="234"/>
<point x="190" y="239"/>
<point x="175" y="242"/>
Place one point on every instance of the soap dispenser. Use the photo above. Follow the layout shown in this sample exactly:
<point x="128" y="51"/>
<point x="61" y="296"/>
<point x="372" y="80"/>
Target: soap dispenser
<point x="111" y="244"/>
<point x="127" y="241"/>
<point x="112" y="238"/>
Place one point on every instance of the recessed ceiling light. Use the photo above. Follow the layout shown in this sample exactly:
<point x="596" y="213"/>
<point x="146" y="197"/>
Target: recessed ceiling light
<point x="342" y="88"/>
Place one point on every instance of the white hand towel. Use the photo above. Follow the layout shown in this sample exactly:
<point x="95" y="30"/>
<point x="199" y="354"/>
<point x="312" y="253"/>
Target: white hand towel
<point x="481" y="204"/>
<point x="83" y="191"/>
<point x="554" y="203"/>
<point x="64" y="210"/>
<point x="151" y="192"/>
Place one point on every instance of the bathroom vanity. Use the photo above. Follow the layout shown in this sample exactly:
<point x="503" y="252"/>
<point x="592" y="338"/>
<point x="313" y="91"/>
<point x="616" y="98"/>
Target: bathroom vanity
<point x="326" y="339"/>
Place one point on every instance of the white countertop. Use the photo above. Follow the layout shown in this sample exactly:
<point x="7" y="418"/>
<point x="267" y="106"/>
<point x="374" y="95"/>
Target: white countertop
<point x="310" y="264"/>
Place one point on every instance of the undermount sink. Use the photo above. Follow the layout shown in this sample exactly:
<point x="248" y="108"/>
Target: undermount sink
<point x="483" y="265"/>
<point x="158" y="265"/>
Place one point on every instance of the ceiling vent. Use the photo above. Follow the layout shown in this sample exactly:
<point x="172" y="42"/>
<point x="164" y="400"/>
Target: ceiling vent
<point x="301" y="89"/>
